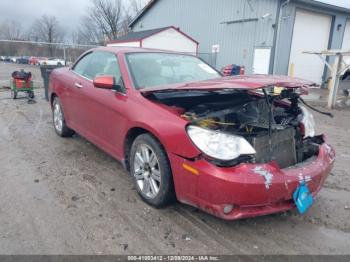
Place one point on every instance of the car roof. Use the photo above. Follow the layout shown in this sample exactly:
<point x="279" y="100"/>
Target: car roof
<point x="124" y="49"/>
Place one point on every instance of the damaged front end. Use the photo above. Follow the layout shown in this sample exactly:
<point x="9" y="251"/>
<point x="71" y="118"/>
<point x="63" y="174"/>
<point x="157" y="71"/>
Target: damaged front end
<point x="238" y="126"/>
<point x="257" y="147"/>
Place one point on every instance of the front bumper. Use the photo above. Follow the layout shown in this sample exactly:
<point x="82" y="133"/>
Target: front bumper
<point x="252" y="189"/>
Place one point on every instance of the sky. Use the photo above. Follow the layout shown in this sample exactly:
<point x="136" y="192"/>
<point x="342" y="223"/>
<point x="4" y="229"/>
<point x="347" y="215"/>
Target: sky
<point x="68" y="12"/>
<point x="342" y="3"/>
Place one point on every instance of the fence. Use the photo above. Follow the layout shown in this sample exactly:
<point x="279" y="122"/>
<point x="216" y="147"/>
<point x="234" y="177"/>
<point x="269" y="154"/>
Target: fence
<point x="68" y="52"/>
<point x="16" y="55"/>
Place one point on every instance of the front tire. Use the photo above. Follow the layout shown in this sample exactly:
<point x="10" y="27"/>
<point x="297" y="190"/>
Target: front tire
<point x="150" y="168"/>
<point x="59" y="122"/>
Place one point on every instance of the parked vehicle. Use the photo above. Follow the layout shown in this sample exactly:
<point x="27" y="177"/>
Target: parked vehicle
<point x="23" y="60"/>
<point x="13" y="59"/>
<point x="42" y="60"/>
<point x="2" y="58"/>
<point x="53" y="62"/>
<point x="33" y="60"/>
<point x="8" y="59"/>
<point x="223" y="144"/>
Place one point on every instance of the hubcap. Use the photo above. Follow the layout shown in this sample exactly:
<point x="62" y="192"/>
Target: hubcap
<point x="147" y="171"/>
<point x="58" y="117"/>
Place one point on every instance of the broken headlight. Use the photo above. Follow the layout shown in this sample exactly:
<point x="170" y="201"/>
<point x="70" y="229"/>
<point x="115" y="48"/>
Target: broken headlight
<point x="219" y="145"/>
<point x="308" y="123"/>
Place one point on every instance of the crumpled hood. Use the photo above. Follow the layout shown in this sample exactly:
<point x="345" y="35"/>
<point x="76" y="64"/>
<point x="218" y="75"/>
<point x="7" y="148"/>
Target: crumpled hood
<point x="244" y="82"/>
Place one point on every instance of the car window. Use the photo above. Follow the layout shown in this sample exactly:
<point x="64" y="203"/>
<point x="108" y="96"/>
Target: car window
<point x="103" y="63"/>
<point x="153" y="69"/>
<point x="82" y="64"/>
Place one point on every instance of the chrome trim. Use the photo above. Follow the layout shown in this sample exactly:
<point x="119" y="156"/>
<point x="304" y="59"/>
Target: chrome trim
<point x="81" y="75"/>
<point x="78" y="85"/>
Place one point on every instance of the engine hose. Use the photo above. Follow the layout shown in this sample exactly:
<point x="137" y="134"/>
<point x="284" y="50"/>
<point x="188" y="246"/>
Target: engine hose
<point x="315" y="109"/>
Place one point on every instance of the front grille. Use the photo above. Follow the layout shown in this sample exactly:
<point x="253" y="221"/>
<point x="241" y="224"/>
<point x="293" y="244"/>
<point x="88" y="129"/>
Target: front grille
<point x="283" y="147"/>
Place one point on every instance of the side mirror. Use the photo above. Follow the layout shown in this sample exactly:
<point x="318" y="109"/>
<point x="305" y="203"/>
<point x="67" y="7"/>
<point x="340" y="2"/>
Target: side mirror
<point x="105" y="82"/>
<point x="108" y="82"/>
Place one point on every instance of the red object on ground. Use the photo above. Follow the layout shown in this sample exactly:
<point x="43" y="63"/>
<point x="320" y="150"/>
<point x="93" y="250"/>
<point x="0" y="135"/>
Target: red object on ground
<point x="229" y="70"/>
<point x="22" y="83"/>
<point x="108" y="118"/>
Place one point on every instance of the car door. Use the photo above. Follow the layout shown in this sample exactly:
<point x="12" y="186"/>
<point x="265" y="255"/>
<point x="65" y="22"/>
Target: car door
<point x="71" y="97"/>
<point x="101" y="111"/>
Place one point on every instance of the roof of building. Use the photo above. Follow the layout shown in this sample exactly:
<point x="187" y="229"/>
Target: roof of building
<point x="139" y="35"/>
<point x="134" y="36"/>
<point x="321" y="3"/>
<point x="327" y="4"/>
<point x="142" y="12"/>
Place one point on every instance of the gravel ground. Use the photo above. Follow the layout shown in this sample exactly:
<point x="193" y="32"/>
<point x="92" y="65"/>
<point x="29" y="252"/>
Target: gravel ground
<point x="65" y="196"/>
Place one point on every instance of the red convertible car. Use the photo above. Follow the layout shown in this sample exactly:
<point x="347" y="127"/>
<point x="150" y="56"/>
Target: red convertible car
<point x="227" y="145"/>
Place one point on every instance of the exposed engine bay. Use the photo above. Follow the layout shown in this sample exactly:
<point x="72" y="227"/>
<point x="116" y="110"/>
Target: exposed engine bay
<point x="271" y="123"/>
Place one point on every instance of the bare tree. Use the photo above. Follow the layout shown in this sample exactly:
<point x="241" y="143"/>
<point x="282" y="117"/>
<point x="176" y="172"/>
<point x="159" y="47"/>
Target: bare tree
<point x="47" y="29"/>
<point x="103" y="21"/>
<point x="134" y="7"/>
<point x="88" y="33"/>
<point x="106" y="20"/>
<point x="11" y="30"/>
<point x="107" y="16"/>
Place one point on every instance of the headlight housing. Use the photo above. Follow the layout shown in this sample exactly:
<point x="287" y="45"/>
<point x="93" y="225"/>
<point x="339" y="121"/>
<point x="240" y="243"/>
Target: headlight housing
<point x="219" y="145"/>
<point x="308" y="122"/>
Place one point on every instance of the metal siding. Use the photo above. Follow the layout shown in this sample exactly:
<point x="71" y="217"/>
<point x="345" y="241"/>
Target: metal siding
<point x="284" y="42"/>
<point x="201" y="20"/>
<point x="286" y="35"/>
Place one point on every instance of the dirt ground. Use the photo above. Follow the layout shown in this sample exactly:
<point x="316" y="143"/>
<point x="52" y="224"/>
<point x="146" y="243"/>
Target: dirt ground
<point x="65" y="196"/>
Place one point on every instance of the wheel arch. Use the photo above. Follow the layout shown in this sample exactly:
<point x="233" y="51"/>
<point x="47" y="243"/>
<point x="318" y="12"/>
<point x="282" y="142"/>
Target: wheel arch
<point x="52" y="97"/>
<point x="131" y="135"/>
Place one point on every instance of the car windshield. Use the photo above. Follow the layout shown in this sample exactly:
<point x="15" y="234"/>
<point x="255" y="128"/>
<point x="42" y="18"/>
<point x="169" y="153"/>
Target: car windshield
<point x="155" y="69"/>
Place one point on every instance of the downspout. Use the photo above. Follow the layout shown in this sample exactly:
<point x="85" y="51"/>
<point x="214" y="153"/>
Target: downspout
<point x="280" y="11"/>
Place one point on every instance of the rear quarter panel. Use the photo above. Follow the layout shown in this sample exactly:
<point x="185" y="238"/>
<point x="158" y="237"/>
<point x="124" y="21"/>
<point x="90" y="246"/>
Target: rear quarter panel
<point x="59" y="86"/>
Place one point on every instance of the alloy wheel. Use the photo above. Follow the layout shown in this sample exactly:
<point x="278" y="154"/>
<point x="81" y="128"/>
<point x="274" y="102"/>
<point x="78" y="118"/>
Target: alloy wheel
<point x="147" y="171"/>
<point x="58" y="117"/>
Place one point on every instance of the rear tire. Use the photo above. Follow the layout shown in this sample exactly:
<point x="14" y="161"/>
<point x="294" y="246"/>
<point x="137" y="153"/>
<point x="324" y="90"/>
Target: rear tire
<point x="59" y="122"/>
<point x="150" y="169"/>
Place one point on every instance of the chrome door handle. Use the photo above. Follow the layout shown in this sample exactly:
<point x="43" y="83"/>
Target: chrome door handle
<point x="78" y="85"/>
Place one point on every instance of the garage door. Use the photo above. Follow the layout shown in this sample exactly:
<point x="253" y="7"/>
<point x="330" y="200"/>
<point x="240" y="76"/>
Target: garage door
<point x="311" y="33"/>
<point x="346" y="41"/>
